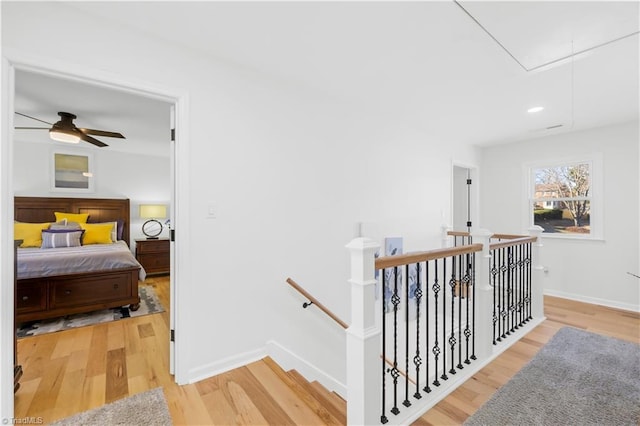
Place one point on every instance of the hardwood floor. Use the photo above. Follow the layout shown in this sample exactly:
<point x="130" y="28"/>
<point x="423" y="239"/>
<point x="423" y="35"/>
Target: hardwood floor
<point x="76" y="370"/>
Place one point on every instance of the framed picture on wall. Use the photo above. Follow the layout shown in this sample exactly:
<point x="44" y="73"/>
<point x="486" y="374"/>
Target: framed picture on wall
<point x="72" y="172"/>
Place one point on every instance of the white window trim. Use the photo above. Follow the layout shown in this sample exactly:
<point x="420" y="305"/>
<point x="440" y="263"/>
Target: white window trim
<point x="597" y="195"/>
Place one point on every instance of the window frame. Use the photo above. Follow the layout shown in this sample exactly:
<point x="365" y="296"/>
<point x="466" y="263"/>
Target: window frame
<point x="595" y="198"/>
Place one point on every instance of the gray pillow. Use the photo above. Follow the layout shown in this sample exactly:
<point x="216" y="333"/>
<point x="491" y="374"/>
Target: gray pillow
<point x="57" y="238"/>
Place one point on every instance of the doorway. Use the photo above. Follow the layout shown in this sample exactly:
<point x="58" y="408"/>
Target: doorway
<point x="464" y="200"/>
<point x="175" y="104"/>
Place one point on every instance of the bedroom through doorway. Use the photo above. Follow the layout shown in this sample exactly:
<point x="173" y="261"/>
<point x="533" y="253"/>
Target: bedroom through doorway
<point x="97" y="364"/>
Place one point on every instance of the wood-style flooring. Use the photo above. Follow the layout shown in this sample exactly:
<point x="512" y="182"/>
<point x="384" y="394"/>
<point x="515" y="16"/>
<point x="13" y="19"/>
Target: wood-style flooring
<point x="76" y="370"/>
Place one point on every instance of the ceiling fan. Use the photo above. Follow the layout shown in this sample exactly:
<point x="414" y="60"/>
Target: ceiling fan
<point x="65" y="131"/>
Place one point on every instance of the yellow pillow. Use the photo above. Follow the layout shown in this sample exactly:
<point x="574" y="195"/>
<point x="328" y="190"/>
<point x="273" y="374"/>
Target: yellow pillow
<point x="29" y="233"/>
<point x="98" y="233"/>
<point x="72" y="217"/>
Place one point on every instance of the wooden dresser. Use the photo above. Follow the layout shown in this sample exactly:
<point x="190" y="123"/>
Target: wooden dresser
<point x="154" y="255"/>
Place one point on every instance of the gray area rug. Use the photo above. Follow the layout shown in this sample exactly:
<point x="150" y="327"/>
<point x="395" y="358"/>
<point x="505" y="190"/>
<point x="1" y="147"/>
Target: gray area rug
<point x="146" y="408"/>
<point x="149" y="304"/>
<point x="578" y="378"/>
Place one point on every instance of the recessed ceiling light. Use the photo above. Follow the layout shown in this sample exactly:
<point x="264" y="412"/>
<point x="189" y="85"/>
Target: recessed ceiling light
<point x="535" y="109"/>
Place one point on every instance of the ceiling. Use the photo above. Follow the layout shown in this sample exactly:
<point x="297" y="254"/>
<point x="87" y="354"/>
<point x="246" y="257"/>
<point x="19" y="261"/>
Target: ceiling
<point x="433" y="63"/>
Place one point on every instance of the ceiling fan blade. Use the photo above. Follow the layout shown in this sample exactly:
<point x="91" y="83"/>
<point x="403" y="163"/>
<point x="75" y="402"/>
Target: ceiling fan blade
<point x="101" y="133"/>
<point x="32" y="128"/>
<point x="92" y="140"/>
<point x="33" y="118"/>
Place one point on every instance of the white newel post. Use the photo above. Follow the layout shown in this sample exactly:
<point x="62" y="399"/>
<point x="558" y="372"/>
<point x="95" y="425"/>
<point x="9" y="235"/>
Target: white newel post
<point x="364" y="375"/>
<point x="484" y="295"/>
<point x="537" y="290"/>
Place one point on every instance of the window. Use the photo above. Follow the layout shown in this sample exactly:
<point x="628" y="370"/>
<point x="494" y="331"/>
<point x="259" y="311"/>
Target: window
<point x="562" y="198"/>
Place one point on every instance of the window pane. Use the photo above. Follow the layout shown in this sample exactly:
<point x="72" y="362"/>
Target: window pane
<point x="563" y="181"/>
<point x="563" y="217"/>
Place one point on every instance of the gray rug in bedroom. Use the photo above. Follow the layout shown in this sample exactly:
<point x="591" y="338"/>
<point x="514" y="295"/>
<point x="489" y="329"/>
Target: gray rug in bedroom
<point x="149" y="304"/>
<point x="578" y="378"/>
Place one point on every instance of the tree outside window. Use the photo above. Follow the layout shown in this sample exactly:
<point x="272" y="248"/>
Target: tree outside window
<point x="562" y="198"/>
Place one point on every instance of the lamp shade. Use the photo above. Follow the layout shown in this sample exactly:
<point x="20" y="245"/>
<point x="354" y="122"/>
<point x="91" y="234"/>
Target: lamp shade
<point x="153" y="211"/>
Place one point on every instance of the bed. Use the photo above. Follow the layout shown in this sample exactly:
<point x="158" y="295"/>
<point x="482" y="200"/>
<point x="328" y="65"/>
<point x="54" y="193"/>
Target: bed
<point x="94" y="276"/>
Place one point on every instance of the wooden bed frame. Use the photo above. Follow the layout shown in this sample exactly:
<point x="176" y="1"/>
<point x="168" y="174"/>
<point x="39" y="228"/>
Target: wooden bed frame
<point x="49" y="297"/>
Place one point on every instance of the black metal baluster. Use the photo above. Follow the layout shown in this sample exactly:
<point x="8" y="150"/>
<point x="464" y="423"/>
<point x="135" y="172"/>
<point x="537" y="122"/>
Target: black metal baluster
<point x="436" y="346"/>
<point x="520" y="285"/>
<point x="395" y="299"/>
<point x="461" y="292"/>
<point x="512" y="283"/>
<point x="383" y="417"/>
<point x="452" y="337"/>
<point x="503" y="300"/>
<point x="444" y="321"/>
<point x="494" y="273"/>
<point x="467" y="331"/>
<point x="406" y="401"/>
<point x="472" y="265"/>
<point x="529" y="280"/>
<point x="426" y="388"/>
<point x="417" y="361"/>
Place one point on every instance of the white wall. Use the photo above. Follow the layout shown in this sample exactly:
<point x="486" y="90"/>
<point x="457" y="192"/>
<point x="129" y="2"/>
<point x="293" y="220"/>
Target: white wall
<point x="290" y="172"/>
<point x="592" y="271"/>
<point x="140" y="178"/>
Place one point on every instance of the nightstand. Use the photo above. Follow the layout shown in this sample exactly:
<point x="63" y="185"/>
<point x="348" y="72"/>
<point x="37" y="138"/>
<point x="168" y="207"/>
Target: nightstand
<point x="154" y="255"/>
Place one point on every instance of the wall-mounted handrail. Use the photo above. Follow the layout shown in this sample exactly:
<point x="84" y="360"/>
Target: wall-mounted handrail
<point x="314" y="301"/>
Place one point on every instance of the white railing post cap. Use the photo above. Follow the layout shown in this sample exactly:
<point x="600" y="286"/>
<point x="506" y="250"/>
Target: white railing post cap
<point x="362" y="243"/>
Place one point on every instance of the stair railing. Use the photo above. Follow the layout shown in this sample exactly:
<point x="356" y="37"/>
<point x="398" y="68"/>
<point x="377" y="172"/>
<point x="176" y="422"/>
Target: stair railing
<point x="435" y="318"/>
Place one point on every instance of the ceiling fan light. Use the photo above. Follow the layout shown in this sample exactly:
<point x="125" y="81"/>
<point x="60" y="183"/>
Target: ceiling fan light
<point x="63" y="136"/>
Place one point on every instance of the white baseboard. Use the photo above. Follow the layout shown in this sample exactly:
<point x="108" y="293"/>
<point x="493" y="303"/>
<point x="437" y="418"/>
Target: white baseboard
<point x="289" y="360"/>
<point x="594" y="300"/>
<point x="224" y="365"/>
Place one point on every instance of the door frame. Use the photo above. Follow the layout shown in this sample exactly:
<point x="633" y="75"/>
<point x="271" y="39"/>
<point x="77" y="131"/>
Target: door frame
<point x="13" y="61"/>
<point x="474" y="196"/>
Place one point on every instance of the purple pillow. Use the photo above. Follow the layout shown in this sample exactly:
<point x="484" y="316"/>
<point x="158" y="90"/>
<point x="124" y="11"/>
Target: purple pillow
<point x="120" y="229"/>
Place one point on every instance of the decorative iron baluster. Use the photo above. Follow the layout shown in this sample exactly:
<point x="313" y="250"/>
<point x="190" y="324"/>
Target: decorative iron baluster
<point x="436" y="346"/>
<point x="426" y="388"/>
<point x="503" y="300"/>
<point x="529" y="282"/>
<point x="472" y="266"/>
<point x="452" y="337"/>
<point x="383" y="417"/>
<point x="467" y="331"/>
<point x="512" y="295"/>
<point x="395" y="373"/>
<point x="461" y="291"/>
<point x="494" y="284"/>
<point x="406" y="401"/>
<point x="520" y="286"/>
<point x="417" y="361"/>
<point x="444" y="321"/>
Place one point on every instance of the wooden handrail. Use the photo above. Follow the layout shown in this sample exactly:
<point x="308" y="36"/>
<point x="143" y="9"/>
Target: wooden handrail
<point x="507" y="236"/>
<point x="458" y="233"/>
<point x="313" y="300"/>
<point x="512" y="242"/>
<point x="422" y="256"/>
<point x="497" y="236"/>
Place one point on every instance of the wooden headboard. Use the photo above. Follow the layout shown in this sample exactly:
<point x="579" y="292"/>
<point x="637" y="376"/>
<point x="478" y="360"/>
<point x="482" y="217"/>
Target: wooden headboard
<point x="41" y="209"/>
